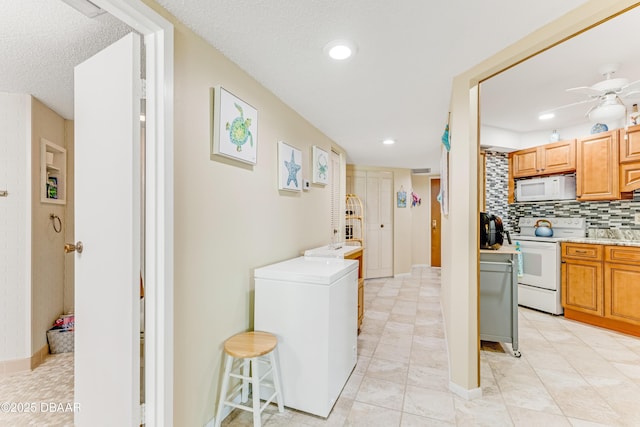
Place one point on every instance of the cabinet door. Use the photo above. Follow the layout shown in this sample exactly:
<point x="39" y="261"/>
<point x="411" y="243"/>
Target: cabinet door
<point x="622" y="292"/>
<point x="629" y="176"/>
<point x="630" y="144"/>
<point x="582" y="286"/>
<point x="558" y="157"/>
<point x="597" y="167"/>
<point x="525" y="162"/>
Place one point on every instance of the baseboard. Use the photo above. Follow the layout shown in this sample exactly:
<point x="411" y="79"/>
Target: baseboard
<point x="466" y="394"/>
<point x="225" y="412"/>
<point x="8" y="367"/>
<point x="420" y="266"/>
<point x="39" y="356"/>
<point x="395" y="276"/>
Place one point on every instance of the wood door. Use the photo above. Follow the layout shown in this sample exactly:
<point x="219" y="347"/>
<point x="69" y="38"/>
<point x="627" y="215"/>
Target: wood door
<point x="629" y="176"/>
<point x="597" y="167"/>
<point x="622" y="292"/>
<point x="582" y="286"/>
<point x="107" y="220"/>
<point x="526" y="162"/>
<point x="435" y="224"/>
<point x="630" y="144"/>
<point x="378" y="217"/>
<point x="559" y="157"/>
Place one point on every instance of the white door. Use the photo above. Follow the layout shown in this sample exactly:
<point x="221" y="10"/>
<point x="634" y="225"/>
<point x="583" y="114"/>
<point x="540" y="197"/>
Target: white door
<point x="107" y="206"/>
<point x="378" y="218"/>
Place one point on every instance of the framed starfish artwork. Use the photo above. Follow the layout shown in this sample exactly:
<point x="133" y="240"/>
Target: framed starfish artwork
<point x="234" y="127"/>
<point x="289" y="167"/>
<point x="320" y="166"/>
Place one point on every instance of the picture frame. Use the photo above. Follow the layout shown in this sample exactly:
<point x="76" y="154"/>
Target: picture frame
<point x="289" y="167"/>
<point x="402" y="199"/>
<point x="234" y="130"/>
<point x="320" y="166"/>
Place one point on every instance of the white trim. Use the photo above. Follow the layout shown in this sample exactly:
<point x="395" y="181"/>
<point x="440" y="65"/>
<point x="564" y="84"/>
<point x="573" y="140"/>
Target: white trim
<point x="420" y="266"/>
<point x="158" y="37"/>
<point x="395" y="276"/>
<point x="474" y="393"/>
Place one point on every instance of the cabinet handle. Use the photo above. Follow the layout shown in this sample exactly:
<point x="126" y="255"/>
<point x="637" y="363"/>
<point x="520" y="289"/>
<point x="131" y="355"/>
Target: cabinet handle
<point x="581" y="251"/>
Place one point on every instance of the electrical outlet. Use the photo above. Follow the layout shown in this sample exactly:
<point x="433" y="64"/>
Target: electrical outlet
<point x="636" y="220"/>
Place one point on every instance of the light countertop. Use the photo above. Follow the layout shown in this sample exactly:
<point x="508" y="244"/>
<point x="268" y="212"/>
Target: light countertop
<point x="600" y="241"/>
<point x="504" y="249"/>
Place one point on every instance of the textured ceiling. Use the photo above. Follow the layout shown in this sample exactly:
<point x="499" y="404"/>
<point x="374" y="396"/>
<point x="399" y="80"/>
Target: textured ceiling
<point x="398" y="85"/>
<point x="40" y="43"/>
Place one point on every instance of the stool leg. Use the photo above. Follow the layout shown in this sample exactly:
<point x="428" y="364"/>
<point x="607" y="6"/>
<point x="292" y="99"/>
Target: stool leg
<point x="223" y="391"/>
<point x="255" y="390"/>
<point x="276" y="379"/>
<point x="245" y="382"/>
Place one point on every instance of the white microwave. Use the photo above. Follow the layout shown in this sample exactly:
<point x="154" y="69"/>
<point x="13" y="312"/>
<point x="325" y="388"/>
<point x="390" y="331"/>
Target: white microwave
<point x="561" y="187"/>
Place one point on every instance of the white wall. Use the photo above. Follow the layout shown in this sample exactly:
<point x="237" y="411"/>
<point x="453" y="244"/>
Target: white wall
<point x="15" y="226"/>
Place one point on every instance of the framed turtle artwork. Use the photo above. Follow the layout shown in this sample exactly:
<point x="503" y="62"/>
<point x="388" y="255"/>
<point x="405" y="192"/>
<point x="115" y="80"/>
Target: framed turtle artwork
<point x="289" y="167"/>
<point x="320" y="159"/>
<point x="234" y="131"/>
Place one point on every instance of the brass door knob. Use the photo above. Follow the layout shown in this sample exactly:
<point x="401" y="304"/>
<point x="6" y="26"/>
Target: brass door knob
<point x="70" y="247"/>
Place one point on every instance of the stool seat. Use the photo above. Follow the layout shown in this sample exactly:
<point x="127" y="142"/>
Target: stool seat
<point x="250" y="344"/>
<point x="250" y="350"/>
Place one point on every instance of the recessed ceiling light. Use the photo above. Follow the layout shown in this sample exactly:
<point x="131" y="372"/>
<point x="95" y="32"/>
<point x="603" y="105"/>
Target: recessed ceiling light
<point x="388" y="142"/>
<point x="340" y="49"/>
<point x="546" y="116"/>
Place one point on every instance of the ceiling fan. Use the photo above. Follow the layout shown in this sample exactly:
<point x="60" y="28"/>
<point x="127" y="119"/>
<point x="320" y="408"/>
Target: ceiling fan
<point x="606" y="94"/>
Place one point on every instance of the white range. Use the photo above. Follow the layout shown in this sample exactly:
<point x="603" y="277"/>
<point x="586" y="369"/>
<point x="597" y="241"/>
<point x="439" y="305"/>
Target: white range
<point x="539" y="287"/>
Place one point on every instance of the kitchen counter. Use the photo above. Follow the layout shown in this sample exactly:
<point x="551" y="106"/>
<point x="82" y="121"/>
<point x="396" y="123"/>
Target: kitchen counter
<point x="504" y="249"/>
<point x="601" y="241"/>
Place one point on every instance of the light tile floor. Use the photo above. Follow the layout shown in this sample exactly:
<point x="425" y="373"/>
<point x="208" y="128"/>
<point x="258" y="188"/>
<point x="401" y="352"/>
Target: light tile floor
<point x="570" y="374"/>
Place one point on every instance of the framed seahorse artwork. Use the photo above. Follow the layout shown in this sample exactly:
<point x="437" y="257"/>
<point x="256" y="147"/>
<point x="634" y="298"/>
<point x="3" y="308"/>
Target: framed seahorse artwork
<point x="320" y="162"/>
<point x="234" y="127"/>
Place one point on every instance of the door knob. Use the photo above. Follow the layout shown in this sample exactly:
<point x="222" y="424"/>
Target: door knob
<point x="381" y="225"/>
<point x="70" y="247"/>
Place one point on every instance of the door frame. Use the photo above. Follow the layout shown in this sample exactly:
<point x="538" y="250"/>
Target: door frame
<point x="158" y="38"/>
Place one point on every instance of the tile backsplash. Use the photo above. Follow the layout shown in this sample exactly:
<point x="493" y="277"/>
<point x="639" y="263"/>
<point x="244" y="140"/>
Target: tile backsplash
<point x="615" y="214"/>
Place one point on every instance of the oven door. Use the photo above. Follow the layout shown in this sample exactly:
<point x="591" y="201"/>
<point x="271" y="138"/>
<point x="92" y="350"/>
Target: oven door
<point x="541" y="264"/>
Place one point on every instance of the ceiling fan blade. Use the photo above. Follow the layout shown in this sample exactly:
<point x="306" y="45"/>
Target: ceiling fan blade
<point x="585" y="90"/>
<point x="634" y="94"/>
<point x="631" y="87"/>
<point x="573" y="104"/>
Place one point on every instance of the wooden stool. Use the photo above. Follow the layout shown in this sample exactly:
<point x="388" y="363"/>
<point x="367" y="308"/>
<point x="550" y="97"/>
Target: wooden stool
<point x="249" y="348"/>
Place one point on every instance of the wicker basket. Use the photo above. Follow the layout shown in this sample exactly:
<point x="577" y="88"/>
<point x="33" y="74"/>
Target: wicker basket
<point x="60" y="341"/>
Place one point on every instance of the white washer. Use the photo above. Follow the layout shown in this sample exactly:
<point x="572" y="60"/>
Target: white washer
<point x="311" y="305"/>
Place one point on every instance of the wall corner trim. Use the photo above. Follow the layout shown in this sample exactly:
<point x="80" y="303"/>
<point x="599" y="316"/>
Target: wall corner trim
<point x="466" y="394"/>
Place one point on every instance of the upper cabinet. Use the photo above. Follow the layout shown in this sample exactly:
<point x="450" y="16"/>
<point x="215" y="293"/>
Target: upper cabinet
<point x="630" y="144"/>
<point x="557" y="157"/>
<point x="630" y="158"/>
<point x="597" y="167"/>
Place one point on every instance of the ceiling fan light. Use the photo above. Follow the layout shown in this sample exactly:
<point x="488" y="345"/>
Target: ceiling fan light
<point x="607" y="112"/>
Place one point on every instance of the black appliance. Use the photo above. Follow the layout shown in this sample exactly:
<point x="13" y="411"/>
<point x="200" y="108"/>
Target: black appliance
<point x="492" y="231"/>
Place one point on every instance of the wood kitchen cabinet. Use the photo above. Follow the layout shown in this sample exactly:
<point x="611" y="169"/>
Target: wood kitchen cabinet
<point x="630" y="144"/>
<point x="557" y="157"/>
<point x="581" y="278"/>
<point x="630" y="159"/>
<point x="601" y="285"/>
<point x="622" y="284"/>
<point x="597" y="167"/>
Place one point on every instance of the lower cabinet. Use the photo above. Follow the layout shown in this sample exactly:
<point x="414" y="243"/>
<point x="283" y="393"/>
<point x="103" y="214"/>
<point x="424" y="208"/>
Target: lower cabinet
<point x="601" y="285"/>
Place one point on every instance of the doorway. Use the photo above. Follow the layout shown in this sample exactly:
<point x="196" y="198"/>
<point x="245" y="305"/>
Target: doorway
<point x="435" y="223"/>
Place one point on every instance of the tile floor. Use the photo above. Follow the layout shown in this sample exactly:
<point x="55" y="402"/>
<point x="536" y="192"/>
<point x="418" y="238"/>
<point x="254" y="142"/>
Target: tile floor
<point x="570" y="374"/>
